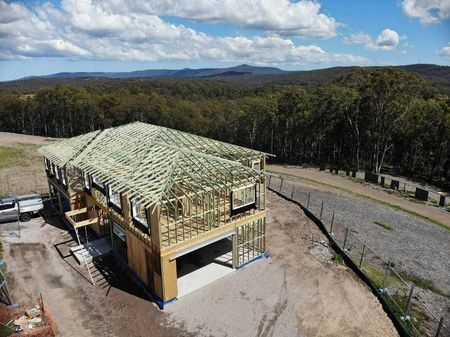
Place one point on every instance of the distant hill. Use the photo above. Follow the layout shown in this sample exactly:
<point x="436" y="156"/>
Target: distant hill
<point x="242" y="69"/>
<point x="243" y="74"/>
<point x="436" y="74"/>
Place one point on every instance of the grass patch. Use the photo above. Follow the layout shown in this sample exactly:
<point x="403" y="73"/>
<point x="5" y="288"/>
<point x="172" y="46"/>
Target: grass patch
<point x="338" y="259"/>
<point x="7" y="329"/>
<point x="433" y="201"/>
<point x="9" y="156"/>
<point x="381" y="202"/>
<point x="376" y="275"/>
<point x="423" y="283"/>
<point x="418" y="316"/>
<point x="396" y="301"/>
<point x="384" y="225"/>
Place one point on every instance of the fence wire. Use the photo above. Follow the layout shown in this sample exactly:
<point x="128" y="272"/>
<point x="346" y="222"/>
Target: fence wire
<point x="400" y="295"/>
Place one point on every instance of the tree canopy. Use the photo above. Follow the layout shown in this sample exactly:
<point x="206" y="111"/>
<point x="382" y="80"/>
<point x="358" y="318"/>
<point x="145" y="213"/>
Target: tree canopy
<point x="371" y="119"/>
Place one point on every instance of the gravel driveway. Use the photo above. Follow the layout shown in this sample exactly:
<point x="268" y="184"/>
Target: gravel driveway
<point x="416" y="246"/>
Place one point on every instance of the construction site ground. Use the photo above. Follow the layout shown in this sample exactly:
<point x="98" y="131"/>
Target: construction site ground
<point x="298" y="291"/>
<point x="419" y="248"/>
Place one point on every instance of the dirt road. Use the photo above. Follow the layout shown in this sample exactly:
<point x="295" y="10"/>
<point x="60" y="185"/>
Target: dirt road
<point x="296" y="292"/>
<point x="344" y="184"/>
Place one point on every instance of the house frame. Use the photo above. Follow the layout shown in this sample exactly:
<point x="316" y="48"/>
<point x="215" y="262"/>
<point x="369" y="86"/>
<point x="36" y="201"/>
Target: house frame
<point x="159" y="194"/>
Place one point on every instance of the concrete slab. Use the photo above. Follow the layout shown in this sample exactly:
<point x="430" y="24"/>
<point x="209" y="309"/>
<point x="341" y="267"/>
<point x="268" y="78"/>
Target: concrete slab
<point x="201" y="278"/>
<point x="204" y="266"/>
<point x="88" y="251"/>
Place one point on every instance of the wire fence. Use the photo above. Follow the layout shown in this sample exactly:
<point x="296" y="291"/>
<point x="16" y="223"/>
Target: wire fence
<point x="400" y="295"/>
<point x="5" y="296"/>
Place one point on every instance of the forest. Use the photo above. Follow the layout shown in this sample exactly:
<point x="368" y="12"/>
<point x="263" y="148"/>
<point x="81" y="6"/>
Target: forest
<point x="374" y="119"/>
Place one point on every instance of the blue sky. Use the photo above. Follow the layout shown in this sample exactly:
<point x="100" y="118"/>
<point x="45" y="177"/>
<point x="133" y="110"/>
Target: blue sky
<point x="39" y="37"/>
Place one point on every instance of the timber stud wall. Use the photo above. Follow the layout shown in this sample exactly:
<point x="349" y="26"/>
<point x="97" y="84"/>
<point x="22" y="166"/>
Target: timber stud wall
<point x="185" y="183"/>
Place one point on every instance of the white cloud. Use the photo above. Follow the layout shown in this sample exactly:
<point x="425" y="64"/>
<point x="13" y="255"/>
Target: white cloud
<point x="11" y="12"/>
<point x="387" y="40"/>
<point x="286" y="18"/>
<point x="88" y="30"/>
<point x="359" y="38"/>
<point x="427" y="11"/>
<point x="445" y="52"/>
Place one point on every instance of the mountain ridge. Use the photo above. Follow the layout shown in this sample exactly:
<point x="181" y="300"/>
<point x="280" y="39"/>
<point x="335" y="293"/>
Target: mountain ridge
<point x="243" y="69"/>
<point x="437" y="75"/>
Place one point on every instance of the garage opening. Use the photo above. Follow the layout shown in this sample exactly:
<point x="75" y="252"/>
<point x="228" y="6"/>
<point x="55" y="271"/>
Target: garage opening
<point x="203" y="266"/>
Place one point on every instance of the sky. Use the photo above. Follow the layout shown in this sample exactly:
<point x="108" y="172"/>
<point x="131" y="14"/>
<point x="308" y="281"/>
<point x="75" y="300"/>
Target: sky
<point x="43" y="37"/>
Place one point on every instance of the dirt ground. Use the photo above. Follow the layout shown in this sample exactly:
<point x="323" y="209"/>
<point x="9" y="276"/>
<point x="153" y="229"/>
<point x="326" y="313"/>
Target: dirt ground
<point x="419" y="248"/>
<point x="12" y="139"/>
<point x="343" y="183"/>
<point x="39" y="262"/>
<point x="22" y="170"/>
<point x="298" y="291"/>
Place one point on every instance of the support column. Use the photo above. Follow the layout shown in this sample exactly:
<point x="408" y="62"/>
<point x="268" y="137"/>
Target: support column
<point x="155" y="258"/>
<point x="235" y="253"/>
<point x="126" y="212"/>
<point x="169" y="277"/>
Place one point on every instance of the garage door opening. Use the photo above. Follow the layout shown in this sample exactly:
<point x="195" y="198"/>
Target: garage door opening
<point x="204" y="266"/>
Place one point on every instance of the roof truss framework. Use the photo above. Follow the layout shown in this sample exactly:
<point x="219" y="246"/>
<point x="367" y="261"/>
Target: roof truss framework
<point x="150" y="162"/>
<point x="61" y="152"/>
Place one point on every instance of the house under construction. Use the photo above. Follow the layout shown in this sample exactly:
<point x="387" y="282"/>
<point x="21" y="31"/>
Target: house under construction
<point x="164" y="200"/>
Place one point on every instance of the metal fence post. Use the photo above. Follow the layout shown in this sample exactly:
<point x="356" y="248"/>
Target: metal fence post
<point x="18" y="223"/>
<point x="345" y="239"/>
<point x="309" y="197"/>
<point x="362" y="255"/>
<point x="408" y="303"/>
<point x="321" y="210"/>
<point x="292" y="192"/>
<point x="438" y="330"/>
<point x="281" y="185"/>
<point x="332" y="222"/>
